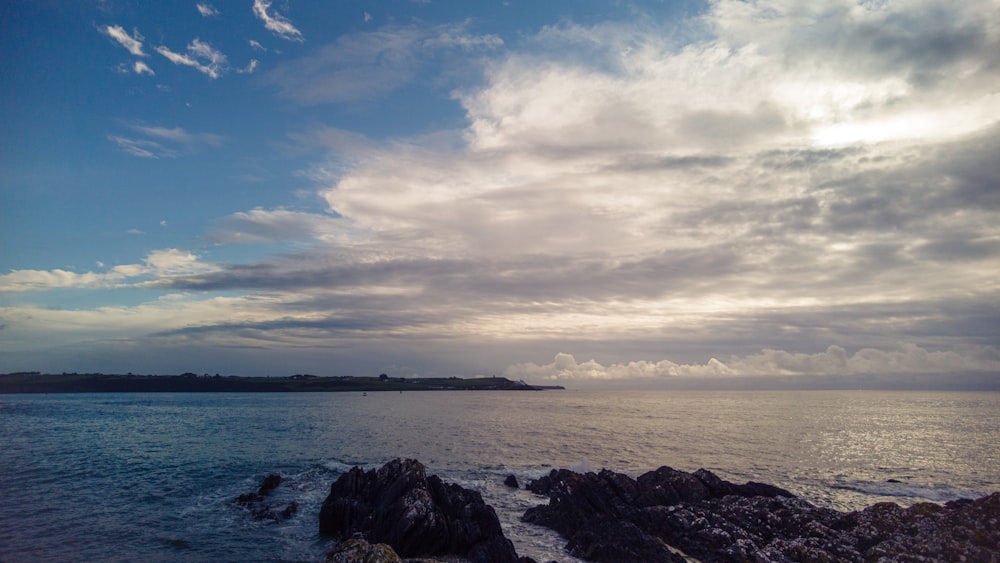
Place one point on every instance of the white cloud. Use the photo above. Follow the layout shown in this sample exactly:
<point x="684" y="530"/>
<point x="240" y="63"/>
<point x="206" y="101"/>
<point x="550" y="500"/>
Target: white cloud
<point x="142" y="68"/>
<point x="131" y="42"/>
<point x="173" y="261"/>
<point x="257" y="45"/>
<point x="250" y="68"/>
<point x="143" y="148"/>
<point x="158" y="264"/>
<point x="162" y="142"/>
<point x="367" y="17"/>
<point x="449" y="39"/>
<point x="264" y="226"/>
<point x="176" y="135"/>
<point x="207" y="10"/>
<point x="276" y="23"/>
<point x="908" y="359"/>
<point x="201" y="56"/>
<point x="34" y="280"/>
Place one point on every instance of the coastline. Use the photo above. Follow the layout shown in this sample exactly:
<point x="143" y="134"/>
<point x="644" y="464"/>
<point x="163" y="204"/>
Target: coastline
<point x="20" y="383"/>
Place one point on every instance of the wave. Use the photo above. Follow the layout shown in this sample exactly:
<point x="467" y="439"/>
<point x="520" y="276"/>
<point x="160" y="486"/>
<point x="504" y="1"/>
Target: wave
<point x="934" y="492"/>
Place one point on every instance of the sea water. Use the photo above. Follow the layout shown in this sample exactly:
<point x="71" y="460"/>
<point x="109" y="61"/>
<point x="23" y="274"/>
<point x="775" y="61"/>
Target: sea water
<point x="153" y="477"/>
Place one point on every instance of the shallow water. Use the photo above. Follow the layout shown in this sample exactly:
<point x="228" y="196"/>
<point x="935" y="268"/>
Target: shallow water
<point x="152" y="477"/>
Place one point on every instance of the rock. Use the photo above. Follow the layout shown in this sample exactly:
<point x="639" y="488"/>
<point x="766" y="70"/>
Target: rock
<point x="610" y="517"/>
<point x="608" y="539"/>
<point x="260" y="509"/>
<point x="269" y="483"/>
<point x="360" y="551"/>
<point x="511" y="482"/>
<point x="576" y="499"/>
<point x="416" y="514"/>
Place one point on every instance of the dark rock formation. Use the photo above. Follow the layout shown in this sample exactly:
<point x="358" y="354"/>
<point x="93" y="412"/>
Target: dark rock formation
<point x="360" y="551"/>
<point x="608" y="516"/>
<point x="257" y="503"/>
<point x="511" y="482"/>
<point x="417" y="515"/>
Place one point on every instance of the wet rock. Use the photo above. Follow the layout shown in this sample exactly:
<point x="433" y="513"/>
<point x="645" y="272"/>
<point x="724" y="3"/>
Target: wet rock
<point x="268" y="484"/>
<point x="416" y="514"/>
<point x="511" y="482"/>
<point x="258" y="505"/>
<point x="605" y="515"/>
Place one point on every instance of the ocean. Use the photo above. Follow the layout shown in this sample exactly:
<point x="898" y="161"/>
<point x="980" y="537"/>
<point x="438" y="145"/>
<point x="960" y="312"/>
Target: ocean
<point x="153" y="477"/>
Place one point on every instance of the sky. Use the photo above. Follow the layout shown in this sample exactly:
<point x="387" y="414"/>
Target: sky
<point x="574" y="192"/>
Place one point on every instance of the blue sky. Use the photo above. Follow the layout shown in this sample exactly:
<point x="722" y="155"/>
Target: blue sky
<point x="555" y="191"/>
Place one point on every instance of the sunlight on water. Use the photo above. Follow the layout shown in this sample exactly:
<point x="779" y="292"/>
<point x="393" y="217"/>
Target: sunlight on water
<point x="153" y="477"/>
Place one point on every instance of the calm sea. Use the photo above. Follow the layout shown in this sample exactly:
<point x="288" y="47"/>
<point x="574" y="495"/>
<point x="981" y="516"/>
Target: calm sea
<point x="152" y="477"/>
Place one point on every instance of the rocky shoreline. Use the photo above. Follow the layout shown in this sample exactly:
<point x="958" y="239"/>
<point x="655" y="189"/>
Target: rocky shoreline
<point x="399" y="513"/>
<point x="609" y="516"/>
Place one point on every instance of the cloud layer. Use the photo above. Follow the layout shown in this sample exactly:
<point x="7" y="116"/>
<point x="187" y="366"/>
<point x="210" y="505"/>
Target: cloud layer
<point x="796" y="188"/>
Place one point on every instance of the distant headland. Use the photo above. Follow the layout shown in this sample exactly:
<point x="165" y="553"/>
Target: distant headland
<point x="36" y="382"/>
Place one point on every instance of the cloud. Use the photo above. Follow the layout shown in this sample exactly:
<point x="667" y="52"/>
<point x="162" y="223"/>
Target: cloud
<point x="257" y="46"/>
<point x="264" y="226"/>
<point x="162" y="142"/>
<point x="250" y="68"/>
<point x="173" y="261"/>
<point x="143" y="148"/>
<point x="133" y="43"/>
<point x="207" y="10"/>
<point x="835" y="360"/>
<point x="276" y="23"/>
<point x="177" y="135"/>
<point x="449" y="38"/>
<point x="34" y="280"/>
<point x="778" y="177"/>
<point x="643" y="188"/>
<point x="158" y="264"/>
<point x="366" y="65"/>
<point x="142" y="68"/>
<point x="201" y="56"/>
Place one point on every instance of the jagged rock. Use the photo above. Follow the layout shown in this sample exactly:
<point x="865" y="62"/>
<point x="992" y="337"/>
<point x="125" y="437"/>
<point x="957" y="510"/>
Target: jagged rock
<point x="511" y="481"/>
<point x="418" y="515"/>
<point x="360" y="551"/>
<point x="257" y="504"/>
<point x="608" y="516"/>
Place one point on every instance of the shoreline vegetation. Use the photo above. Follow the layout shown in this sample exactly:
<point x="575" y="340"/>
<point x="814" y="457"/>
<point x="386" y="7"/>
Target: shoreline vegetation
<point x="36" y="382"/>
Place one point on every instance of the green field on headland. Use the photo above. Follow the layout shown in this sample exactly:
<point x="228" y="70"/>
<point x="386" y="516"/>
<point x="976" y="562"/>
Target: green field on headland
<point x="190" y="382"/>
